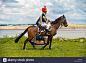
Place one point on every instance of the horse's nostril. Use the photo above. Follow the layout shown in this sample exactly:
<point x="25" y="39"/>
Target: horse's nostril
<point x="66" y="25"/>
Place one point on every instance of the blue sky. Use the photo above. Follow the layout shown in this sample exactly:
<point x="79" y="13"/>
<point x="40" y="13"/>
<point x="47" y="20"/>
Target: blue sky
<point x="28" y="11"/>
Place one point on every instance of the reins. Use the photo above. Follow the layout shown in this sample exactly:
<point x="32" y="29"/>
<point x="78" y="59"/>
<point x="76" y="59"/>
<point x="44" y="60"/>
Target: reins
<point x="61" y="22"/>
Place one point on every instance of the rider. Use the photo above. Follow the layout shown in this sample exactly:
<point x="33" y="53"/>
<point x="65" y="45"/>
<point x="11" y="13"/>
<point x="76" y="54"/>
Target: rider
<point x="43" y="20"/>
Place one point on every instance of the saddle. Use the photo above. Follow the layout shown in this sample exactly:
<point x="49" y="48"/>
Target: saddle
<point x="42" y="28"/>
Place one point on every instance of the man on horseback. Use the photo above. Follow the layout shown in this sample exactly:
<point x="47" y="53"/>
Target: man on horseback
<point x="43" y="21"/>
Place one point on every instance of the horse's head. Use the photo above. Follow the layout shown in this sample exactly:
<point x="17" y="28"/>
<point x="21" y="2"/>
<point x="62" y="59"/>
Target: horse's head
<point x="63" y="20"/>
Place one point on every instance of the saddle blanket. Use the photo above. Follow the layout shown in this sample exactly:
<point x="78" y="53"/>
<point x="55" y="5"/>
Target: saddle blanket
<point x="42" y="29"/>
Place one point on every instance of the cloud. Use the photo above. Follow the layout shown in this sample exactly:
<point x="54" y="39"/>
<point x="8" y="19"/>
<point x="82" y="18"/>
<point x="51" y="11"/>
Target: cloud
<point x="2" y="22"/>
<point x="28" y="11"/>
<point x="0" y="3"/>
<point x="49" y="3"/>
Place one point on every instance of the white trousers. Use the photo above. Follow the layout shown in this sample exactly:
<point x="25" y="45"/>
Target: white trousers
<point x="46" y="25"/>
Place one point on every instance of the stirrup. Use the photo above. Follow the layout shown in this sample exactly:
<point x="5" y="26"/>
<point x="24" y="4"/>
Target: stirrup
<point x="39" y="33"/>
<point x="47" y="33"/>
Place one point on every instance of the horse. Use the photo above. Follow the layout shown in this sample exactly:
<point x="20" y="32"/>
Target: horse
<point x="33" y="31"/>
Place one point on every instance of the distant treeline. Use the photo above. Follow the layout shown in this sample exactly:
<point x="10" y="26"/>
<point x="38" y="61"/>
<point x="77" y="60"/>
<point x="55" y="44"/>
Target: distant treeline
<point x="15" y="24"/>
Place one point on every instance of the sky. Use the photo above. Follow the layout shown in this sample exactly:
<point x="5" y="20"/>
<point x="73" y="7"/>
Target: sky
<point x="28" y="11"/>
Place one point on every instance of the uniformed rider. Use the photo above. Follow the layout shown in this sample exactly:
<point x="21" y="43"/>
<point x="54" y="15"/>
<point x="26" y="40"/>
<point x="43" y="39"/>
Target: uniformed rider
<point x="43" y="20"/>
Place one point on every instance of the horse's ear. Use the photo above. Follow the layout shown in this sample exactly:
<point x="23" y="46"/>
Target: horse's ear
<point x="63" y="16"/>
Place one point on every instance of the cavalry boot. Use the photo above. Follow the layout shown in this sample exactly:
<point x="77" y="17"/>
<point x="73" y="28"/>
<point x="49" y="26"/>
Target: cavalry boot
<point x="39" y="33"/>
<point x="47" y="32"/>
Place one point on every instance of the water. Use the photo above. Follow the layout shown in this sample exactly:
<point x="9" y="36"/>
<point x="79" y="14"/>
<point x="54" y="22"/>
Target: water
<point x="11" y="33"/>
<point x="65" y="34"/>
<point x="70" y="34"/>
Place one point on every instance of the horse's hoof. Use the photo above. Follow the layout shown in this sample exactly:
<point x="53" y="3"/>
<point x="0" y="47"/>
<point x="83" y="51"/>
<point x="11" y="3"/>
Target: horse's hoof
<point x="50" y="48"/>
<point x="24" y="49"/>
<point x="42" y="48"/>
<point x="34" y="48"/>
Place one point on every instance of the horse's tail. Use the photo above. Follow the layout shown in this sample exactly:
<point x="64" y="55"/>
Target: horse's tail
<point x="17" y="39"/>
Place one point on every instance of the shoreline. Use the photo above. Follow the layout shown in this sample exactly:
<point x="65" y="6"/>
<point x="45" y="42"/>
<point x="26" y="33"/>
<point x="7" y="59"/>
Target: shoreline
<point x="71" y="27"/>
<point x="13" y="27"/>
<point x="24" y="27"/>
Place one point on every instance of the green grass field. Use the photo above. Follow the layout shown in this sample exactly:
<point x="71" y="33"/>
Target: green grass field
<point x="70" y="48"/>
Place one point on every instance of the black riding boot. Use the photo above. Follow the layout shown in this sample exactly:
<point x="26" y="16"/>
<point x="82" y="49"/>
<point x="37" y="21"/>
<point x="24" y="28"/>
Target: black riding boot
<point x="47" y="32"/>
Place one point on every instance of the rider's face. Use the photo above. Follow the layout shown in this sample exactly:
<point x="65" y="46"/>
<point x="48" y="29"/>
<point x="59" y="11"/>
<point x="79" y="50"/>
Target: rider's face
<point x="45" y="12"/>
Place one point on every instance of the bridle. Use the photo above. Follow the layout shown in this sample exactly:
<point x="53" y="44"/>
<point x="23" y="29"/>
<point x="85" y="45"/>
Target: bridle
<point x="61" y="22"/>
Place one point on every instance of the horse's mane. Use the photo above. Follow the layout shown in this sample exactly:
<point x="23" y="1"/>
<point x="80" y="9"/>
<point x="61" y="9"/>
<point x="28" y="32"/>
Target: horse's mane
<point x="56" y="20"/>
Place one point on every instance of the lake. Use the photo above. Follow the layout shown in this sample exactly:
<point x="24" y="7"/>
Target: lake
<point x="71" y="34"/>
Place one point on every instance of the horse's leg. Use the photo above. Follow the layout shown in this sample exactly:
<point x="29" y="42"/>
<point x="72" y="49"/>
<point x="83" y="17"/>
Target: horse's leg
<point x="49" y="39"/>
<point x="50" y="43"/>
<point x="25" y="43"/>
<point x="45" y="44"/>
<point x="32" y="43"/>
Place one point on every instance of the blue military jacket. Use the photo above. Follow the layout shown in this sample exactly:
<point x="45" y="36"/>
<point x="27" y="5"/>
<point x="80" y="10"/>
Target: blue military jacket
<point x="43" y="16"/>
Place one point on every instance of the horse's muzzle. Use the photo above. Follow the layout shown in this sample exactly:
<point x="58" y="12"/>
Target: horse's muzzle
<point x="66" y="25"/>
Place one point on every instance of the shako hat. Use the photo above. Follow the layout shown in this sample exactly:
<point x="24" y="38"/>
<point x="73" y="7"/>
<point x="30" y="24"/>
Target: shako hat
<point x="44" y="9"/>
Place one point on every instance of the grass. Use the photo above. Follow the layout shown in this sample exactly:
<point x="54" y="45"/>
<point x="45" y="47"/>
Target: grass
<point x="69" y="48"/>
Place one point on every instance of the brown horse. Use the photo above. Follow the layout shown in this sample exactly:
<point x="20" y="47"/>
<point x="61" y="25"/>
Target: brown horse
<point x="33" y="31"/>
